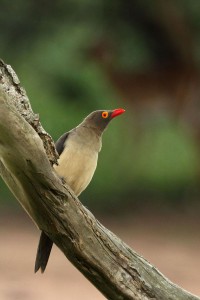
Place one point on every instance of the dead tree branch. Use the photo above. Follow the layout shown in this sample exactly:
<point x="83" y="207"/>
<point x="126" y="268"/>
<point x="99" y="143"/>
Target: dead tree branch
<point x="26" y="156"/>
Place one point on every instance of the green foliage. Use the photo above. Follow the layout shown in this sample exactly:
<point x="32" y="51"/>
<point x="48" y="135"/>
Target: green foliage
<point x="162" y="161"/>
<point x="49" y="44"/>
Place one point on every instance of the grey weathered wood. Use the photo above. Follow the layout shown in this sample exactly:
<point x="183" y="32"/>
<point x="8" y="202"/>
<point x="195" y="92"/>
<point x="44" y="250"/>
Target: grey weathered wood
<point x="115" y="269"/>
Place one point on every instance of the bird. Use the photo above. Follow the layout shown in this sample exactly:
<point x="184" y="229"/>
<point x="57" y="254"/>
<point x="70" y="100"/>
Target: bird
<point x="78" y="151"/>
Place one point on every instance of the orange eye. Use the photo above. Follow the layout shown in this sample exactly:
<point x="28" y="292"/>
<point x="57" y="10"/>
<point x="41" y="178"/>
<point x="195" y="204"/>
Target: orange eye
<point x="104" y="114"/>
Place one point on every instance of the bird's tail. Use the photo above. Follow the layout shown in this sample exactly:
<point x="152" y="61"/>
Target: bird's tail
<point x="43" y="252"/>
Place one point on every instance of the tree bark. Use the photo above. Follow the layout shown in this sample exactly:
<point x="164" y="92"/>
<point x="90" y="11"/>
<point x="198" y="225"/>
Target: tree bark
<point x="26" y="156"/>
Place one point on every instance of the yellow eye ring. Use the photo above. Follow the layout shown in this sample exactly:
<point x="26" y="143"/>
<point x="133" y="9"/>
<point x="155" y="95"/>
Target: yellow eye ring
<point x="104" y="114"/>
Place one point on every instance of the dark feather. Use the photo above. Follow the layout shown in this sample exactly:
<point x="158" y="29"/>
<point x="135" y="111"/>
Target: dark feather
<point x="43" y="252"/>
<point x="60" y="144"/>
<point x="45" y="244"/>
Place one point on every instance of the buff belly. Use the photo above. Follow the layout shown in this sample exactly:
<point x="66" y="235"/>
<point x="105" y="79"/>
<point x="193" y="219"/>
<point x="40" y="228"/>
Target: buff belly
<point x="78" y="166"/>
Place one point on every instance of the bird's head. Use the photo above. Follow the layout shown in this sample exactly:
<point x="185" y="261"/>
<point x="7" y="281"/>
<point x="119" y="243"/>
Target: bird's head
<point x="100" y="119"/>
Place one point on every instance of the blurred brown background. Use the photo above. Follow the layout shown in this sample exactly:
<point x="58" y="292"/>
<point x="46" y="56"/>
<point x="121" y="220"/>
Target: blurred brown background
<point x="73" y="57"/>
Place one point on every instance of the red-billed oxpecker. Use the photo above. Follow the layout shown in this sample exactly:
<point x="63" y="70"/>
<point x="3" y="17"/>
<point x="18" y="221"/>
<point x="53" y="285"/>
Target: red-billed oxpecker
<point x="78" y="152"/>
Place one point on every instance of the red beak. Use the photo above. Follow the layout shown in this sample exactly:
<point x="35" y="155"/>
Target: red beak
<point x="117" y="112"/>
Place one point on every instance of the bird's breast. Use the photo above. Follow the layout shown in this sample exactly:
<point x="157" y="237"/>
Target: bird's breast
<point x="77" y="165"/>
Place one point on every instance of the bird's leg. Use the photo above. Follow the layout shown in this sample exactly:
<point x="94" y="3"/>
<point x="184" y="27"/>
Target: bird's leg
<point x="63" y="180"/>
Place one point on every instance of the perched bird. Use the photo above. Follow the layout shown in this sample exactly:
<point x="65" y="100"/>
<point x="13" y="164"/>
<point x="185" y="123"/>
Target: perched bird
<point x="78" y="152"/>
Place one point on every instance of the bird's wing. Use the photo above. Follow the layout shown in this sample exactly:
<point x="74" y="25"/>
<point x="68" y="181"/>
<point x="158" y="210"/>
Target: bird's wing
<point x="45" y="244"/>
<point x="61" y="142"/>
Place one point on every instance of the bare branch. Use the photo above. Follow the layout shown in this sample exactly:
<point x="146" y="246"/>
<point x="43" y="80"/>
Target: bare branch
<point x="10" y="84"/>
<point x="115" y="269"/>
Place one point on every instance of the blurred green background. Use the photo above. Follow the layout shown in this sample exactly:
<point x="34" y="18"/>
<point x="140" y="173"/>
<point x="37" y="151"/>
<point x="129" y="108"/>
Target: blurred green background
<point x="73" y="57"/>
